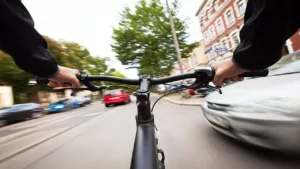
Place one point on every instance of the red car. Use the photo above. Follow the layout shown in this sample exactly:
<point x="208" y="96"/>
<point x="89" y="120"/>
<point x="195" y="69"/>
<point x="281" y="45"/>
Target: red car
<point x="115" y="97"/>
<point x="192" y="92"/>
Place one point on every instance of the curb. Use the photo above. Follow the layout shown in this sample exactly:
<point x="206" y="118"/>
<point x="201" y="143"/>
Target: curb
<point x="177" y="102"/>
<point x="182" y="103"/>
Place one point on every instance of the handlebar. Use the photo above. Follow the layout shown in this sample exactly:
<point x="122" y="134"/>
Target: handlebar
<point x="205" y="72"/>
<point x="262" y="73"/>
<point x="92" y="78"/>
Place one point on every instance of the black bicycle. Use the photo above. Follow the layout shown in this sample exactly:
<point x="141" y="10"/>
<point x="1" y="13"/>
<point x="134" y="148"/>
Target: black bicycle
<point x="145" y="152"/>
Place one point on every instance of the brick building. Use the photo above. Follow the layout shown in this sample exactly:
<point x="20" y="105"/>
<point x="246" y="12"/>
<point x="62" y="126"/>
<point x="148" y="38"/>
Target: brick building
<point x="221" y="21"/>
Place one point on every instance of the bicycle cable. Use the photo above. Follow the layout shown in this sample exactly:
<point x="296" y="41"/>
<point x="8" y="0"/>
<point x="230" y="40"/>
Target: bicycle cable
<point x="166" y="95"/>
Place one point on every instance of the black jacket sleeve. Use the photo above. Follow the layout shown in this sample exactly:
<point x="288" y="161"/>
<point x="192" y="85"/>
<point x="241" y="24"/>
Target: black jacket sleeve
<point x="19" y="39"/>
<point x="267" y="25"/>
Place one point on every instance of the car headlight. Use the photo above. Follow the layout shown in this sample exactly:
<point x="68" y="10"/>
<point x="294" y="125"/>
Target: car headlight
<point x="59" y="107"/>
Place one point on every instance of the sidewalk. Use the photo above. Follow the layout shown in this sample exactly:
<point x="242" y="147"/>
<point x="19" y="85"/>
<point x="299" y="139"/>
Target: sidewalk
<point x="195" y="100"/>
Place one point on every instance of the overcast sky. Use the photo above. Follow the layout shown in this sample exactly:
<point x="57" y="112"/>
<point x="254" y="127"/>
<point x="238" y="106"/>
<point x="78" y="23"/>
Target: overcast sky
<point x="90" y="22"/>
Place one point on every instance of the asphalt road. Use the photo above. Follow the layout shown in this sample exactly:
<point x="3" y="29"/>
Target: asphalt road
<point x="96" y="137"/>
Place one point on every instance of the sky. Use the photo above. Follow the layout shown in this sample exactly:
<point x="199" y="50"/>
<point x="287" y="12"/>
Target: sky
<point x="90" y="23"/>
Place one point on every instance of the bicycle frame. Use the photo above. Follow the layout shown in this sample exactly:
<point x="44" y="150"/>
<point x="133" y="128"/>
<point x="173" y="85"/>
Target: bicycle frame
<point x="145" y="152"/>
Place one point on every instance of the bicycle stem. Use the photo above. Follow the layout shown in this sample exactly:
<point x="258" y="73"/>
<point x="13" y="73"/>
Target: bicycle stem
<point x="143" y="101"/>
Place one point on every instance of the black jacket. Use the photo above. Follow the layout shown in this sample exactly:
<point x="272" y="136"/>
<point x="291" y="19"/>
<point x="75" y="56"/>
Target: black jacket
<point x="267" y="25"/>
<point x="19" y="39"/>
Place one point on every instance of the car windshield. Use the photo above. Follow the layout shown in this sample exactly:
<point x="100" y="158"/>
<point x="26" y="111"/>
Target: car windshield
<point x="17" y="108"/>
<point x="59" y="102"/>
<point x="112" y="92"/>
<point x="286" y="65"/>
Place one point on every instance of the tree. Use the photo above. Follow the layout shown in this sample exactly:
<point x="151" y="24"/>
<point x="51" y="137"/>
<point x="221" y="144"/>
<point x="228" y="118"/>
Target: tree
<point x="14" y="76"/>
<point x="69" y="54"/>
<point x="73" y="55"/>
<point x="143" y="38"/>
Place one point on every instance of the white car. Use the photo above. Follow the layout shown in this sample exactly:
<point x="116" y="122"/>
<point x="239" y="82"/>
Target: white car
<point x="262" y="111"/>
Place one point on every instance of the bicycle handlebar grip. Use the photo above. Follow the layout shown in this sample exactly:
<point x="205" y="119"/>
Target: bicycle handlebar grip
<point x="42" y="80"/>
<point x="46" y="81"/>
<point x="261" y="73"/>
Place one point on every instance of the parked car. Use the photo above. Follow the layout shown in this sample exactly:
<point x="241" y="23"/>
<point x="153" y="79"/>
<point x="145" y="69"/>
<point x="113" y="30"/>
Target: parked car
<point x="192" y="92"/>
<point x="64" y="105"/>
<point x="116" y="97"/>
<point x="19" y="112"/>
<point x="86" y="100"/>
<point x="203" y="91"/>
<point x="173" y="88"/>
<point x="261" y="111"/>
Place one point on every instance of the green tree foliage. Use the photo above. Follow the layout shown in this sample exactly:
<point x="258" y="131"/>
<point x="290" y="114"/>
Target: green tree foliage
<point x="114" y="72"/>
<point x="71" y="54"/>
<point x="67" y="54"/>
<point x="14" y="76"/>
<point x="143" y="38"/>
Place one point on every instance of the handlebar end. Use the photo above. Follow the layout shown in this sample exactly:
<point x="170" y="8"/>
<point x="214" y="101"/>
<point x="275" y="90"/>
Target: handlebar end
<point x="261" y="73"/>
<point x="41" y="80"/>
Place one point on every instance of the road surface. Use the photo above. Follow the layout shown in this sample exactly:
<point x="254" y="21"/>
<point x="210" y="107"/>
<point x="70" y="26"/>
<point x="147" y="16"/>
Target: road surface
<point x="96" y="137"/>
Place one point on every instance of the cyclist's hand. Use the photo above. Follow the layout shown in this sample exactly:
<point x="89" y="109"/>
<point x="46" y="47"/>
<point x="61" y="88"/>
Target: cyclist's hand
<point x="227" y="71"/>
<point x="65" y="79"/>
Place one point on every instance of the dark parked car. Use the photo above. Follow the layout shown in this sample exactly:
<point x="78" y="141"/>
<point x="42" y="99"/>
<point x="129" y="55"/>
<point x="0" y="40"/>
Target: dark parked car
<point x="262" y="111"/>
<point x="19" y="112"/>
<point x="173" y="88"/>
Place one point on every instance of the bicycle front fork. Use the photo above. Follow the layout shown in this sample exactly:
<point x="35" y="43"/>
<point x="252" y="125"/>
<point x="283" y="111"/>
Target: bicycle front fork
<point x="161" y="162"/>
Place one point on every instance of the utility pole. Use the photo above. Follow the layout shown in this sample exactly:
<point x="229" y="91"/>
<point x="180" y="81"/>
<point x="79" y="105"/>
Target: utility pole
<point x="178" y="54"/>
<point x="184" y="93"/>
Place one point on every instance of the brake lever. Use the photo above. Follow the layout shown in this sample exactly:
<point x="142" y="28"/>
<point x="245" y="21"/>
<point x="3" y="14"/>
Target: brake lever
<point x="215" y="89"/>
<point x="199" y="86"/>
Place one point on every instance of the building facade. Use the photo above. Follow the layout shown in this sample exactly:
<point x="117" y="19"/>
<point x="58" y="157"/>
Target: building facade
<point x="197" y="58"/>
<point x="6" y="96"/>
<point x="221" y="22"/>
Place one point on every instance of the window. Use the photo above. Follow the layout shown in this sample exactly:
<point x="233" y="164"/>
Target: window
<point x="208" y="36"/>
<point x="215" y="4"/>
<point x="217" y="48"/>
<point x="229" y="17"/>
<point x="112" y="92"/>
<point x="205" y="37"/>
<point x="224" y="43"/>
<point x="216" y="7"/>
<point x="212" y="32"/>
<point x="220" y="25"/>
<point x="235" y="40"/>
<point x="240" y="7"/>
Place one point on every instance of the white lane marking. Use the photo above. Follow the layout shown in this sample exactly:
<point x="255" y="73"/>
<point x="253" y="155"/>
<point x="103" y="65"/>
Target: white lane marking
<point x="90" y="114"/>
<point x="30" y="130"/>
